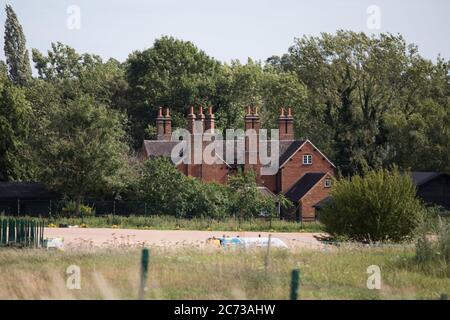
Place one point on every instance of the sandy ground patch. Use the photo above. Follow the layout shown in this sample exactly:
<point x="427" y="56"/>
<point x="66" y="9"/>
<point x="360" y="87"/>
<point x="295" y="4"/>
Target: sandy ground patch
<point x="103" y="237"/>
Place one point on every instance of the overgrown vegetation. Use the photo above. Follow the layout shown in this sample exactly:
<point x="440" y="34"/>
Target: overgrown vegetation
<point x="157" y="222"/>
<point x="433" y="244"/>
<point x="380" y="205"/>
<point x="337" y="273"/>
<point x="169" y="192"/>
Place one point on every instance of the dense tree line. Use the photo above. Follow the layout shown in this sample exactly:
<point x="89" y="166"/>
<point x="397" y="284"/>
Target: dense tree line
<point x="367" y="102"/>
<point x="165" y="189"/>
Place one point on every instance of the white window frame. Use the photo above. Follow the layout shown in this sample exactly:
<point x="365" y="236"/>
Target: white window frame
<point x="307" y="159"/>
<point x="327" y="183"/>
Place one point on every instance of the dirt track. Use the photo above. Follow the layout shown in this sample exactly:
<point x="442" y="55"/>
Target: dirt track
<point x="100" y="237"/>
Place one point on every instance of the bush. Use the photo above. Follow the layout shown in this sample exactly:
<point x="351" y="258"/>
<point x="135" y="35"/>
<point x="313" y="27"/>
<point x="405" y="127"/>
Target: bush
<point x="248" y="201"/>
<point x="169" y="192"/>
<point x="379" y="206"/>
<point x="70" y="209"/>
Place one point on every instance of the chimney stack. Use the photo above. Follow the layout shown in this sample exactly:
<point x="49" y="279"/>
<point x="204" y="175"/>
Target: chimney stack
<point x="256" y="120"/>
<point x="160" y="125"/>
<point x="286" y="125"/>
<point x="167" y="126"/>
<point x="191" y="120"/>
<point x="201" y="119"/>
<point x="252" y="120"/>
<point x="209" y="122"/>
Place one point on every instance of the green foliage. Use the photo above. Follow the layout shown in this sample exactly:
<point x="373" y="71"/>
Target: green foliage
<point x="375" y="97"/>
<point x="16" y="52"/>
<point x="422" y="122"/>
<point x="73" y="73"/>
<point x="213" y="201"/>
<point x="248" y="201"/>
<point x="379" y="206"/>
<point x="170" y="222"/>
<point x="168" y="191"/>
<point x="70" y="208"/>
<point x="433" y="241"/>
<point x="63" y="63"/>
<point x="83" y="150"/>
<point x="172" y="73"/>
<point x="15" y="112"/>
<point x="165" y="188"/>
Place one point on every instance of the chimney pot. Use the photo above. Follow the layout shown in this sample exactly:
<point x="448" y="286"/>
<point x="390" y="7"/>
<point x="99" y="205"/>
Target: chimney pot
<point x="209" y="122"/>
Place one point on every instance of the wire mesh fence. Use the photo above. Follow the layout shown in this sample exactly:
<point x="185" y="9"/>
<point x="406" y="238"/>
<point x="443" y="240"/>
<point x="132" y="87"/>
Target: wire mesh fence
<point x="54" y="208"/>
<point x="49" y="208"/>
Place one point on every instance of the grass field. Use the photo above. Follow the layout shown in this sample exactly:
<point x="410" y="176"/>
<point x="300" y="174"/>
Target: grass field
<point x="171" y="223"/>
<point x="338" y="273"/>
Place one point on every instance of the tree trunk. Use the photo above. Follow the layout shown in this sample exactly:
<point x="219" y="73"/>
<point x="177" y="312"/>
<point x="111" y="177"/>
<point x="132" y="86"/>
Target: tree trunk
<point x="77" y="207"/>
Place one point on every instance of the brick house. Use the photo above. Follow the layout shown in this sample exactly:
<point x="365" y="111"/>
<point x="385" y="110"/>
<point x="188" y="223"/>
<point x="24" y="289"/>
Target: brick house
<point x="304" y="174"/>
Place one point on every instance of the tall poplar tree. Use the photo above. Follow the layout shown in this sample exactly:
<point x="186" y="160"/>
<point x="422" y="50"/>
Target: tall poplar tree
<point x="16" y="52"/>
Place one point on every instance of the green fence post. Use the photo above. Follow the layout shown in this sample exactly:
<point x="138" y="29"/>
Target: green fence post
<point x="295" y="282"/>
<point x="1" y="231"/>
<point x="20" y="231"/>
<point x="4" y="231"/>
<point x="42" y="234"/>
<point x="33" y="233"/>
<point x="11" y="231"/>
<point x="144" y="272"/>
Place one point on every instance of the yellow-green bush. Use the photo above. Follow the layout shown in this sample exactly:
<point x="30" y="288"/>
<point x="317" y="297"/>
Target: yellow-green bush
<point x="380" y="205"/>
<point x="70" y="209"/>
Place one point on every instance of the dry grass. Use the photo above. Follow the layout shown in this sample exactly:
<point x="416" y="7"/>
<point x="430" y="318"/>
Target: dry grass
<point x="183" y="273"/>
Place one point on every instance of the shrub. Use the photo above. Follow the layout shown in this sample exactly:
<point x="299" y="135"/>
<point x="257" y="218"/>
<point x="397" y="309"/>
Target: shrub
<point x="248" y="201"/>
<point x="168" y="191"/>
<point x="164" y="188"/>
<point x="212" y="201"/>
<point x="70" y="209"/>
<point x="381" y="205"/>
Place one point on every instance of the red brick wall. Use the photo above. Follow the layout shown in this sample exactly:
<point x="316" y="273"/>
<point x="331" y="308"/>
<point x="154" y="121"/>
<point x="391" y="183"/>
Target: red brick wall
<point x="270" y="182"/>
<point x="316" y="194"/>
<point x="215" y="173"/>
<point x="207" y="173"/>
<point x="294" y="169"/>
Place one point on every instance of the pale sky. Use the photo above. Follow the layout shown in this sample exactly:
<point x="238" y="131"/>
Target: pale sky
<point x="226" y="29"/>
